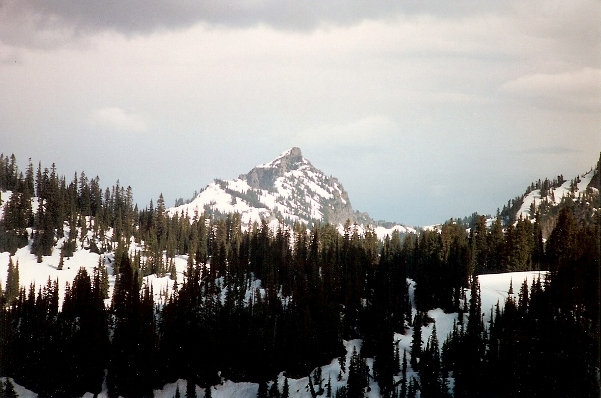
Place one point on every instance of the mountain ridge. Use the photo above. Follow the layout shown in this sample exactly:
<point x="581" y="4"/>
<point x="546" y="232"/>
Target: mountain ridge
<point x="288" y="188"/>
<point x="542" y="199"/>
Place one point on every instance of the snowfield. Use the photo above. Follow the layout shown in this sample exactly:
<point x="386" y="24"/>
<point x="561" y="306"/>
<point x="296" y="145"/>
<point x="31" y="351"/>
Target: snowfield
<point x="297" y="195"/>
<point x="300" y="192"/>
<point x="554" y="196"/>
<point x="494" y="289"/>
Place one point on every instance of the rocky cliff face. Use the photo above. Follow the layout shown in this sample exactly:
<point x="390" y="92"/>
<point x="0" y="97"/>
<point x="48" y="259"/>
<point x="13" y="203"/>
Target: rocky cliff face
<point x="264" y="176"/>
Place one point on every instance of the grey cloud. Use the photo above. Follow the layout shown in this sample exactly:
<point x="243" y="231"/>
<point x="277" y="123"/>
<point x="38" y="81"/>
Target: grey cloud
<point x="576" y="90"/>
<point x="572" y="29"/>
<point x="145" y="16"/>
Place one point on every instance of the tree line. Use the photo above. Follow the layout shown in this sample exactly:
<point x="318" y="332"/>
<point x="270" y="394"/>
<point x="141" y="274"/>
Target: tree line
<point x="258" y="301"/>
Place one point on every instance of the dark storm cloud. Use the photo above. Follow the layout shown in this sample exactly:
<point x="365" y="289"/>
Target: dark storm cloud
<point x="145" y="16"/>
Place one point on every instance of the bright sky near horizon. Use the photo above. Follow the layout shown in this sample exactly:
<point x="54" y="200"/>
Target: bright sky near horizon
<point x="423" y="110"/>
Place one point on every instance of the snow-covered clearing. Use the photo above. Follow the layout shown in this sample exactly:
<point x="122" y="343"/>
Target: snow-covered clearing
<point x="494" y="289"/>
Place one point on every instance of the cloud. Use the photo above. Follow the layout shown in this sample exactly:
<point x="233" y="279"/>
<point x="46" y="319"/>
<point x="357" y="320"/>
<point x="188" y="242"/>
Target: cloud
<point x="571" y="30"/>
<point x="118" y="119"/>
<point x="576" y="90"/>
<point x="387" y="95"/>
<point x="32" y="22"/>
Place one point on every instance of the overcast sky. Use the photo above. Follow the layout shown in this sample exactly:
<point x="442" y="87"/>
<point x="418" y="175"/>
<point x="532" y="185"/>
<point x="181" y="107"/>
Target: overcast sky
<point x="424" y="110"/>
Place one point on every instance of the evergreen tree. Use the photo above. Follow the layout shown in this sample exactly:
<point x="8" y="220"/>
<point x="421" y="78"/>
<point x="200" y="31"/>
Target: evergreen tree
<point x="416" y="343"/>
<point x="317" y="380"/>
<point x="342" y="363"/>
<point x="286" y="389"/>
<point x="86" y="346"/>
<point x="358" y="378"/>
<point x="61" y="262"/>
<point x="12" y="281"/>
<point x="397" y="359"/>
<point x="468" y="368"/>
<point x="403" y="392"/>
<point x="130" y="367"/>
<point x="262" y="393"/>
<point x="9" y="389"/>
<point x="496" y="241"/>
<point x="429" y="369"/>
<point x="411" y="392"/>
<point x="523" y="297"/>
<point x="190" y="389"/>
<point x="274" y="391"/>
<point x="479" y="246"/>
<point x="341" y="392"/>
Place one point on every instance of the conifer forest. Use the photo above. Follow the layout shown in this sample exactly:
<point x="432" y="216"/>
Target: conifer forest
<point x="256" y="301"/>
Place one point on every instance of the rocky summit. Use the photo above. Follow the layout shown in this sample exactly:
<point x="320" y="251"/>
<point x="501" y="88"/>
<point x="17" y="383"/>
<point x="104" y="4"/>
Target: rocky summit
<point x="288" y="189"/>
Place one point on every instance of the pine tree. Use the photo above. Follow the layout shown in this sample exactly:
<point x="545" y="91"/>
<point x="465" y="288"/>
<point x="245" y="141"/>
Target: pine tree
<point x="357" y="376"/>
<point x="342" y="363"/>
<point x="397" y="359"/>
<point x="416" y="343"/>
<point x="274" y="391"/>
<point x="429" y="370"/>
<point x="523" y="297"/>
<point x="403" y="391"/>
<point x="12" y="281"/>
<point x="61" y="261"/>
<point x="411" y="392"/>
<point x="262" y="393"/>
<point x="9" y="389"/>
<point x="317" y="380"/>
<point x="177" y="393"/>
<point x="341" y="392"/>
<point x="384" y="361"/>
<point x="468" y="371"/>
<point x="190" y="389"/>
<point x="286" y="389"/>
<point x="496" y="242"/>
<point x="208" y="393"/>
<point x="173" y="271"/>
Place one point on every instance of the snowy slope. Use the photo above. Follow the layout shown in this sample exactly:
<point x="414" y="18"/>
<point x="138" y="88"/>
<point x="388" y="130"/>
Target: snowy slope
<point x="33" y="273"/>
<point x="493" y="287"/>
<point x="289" y="188"/>
<point x="555" y="195"/>
<point x="380" y="231"/>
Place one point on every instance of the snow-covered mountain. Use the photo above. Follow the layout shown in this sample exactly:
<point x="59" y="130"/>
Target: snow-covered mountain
<point x="289" y="188"/>
<point x="543" y="199"/>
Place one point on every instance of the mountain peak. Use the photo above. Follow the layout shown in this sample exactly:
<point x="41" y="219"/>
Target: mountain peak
<point x="263" y="176"/>
<point x="294" y="152"/>
<point x="289" y="188"/>
<point x="291" y="157"/>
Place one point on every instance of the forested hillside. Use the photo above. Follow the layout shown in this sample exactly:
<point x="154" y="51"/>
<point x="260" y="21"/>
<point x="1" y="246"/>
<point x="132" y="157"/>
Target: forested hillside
<point x="253" y="302"/>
